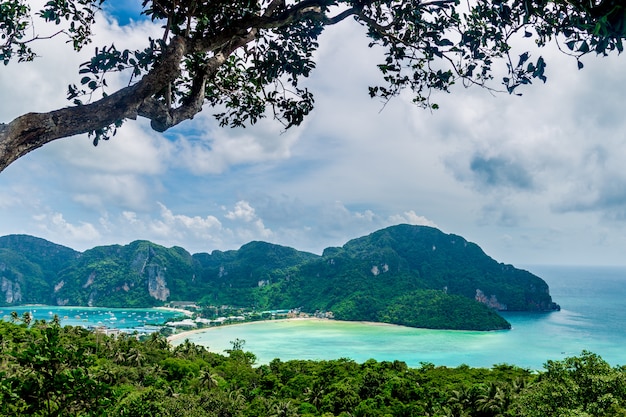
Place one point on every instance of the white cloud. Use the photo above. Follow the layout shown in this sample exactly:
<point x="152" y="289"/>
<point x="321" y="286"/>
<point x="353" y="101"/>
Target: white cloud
<point x="410" y="217"/>
<point x="253" y="228"/>
<point x="54" y="226"/>
<point x="209" y="149"/>
<point x="130" y="217"/>
<point x="98" y="191"/>
<point x="242" y="211"/>
<point x="195" y="224"/>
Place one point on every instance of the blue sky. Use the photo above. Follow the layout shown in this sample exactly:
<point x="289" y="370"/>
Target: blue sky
<point x="537" y="179"/>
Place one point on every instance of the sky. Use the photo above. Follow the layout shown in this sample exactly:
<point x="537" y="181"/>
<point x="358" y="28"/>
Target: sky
<point x="536" y="179"/>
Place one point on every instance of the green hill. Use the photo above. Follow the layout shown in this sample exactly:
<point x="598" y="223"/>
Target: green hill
<point x="28" y="268"/>
<point x="411" y="275"/>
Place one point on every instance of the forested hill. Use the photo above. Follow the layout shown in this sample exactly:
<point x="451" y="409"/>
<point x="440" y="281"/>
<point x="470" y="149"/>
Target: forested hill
<point x="412" y="275"/>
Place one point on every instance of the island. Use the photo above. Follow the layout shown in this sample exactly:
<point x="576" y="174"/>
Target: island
<point x="408" y="275"/>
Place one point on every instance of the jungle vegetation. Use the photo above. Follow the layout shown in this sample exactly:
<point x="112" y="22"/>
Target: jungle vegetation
<point x="412" y="275"/>
<point x="49" y="370"/>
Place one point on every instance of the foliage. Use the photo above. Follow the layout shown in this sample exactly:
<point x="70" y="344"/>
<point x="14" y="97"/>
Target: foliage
<point x="438" y="310"/>
<point x="583" y="386"/>
<point x="249" y="59"/>
<point x="51" y="371"/>
<point x="411" y="275"/>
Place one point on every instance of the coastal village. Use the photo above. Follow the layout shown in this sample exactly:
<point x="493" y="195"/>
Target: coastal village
<point x="224" y="315"/>
<point x="189" y="316"/>
<point x="196" y="318"/>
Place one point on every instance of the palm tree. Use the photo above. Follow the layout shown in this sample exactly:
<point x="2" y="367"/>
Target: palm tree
<point x="135" y="357"/>
<point x="283" y="409"/>
<point x="27" y="318"/>
<point x="158" y="341"/>
<point x="494" y="400"/>
<point x="462" y="396"/>
<point x="315" y="394"/>
<point x="233" y="403"/>
<point x="208" y="378"/>
<point x="119" y="356"/>
<point x="185" y="350"/>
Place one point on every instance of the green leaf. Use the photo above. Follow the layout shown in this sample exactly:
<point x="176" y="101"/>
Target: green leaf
<point x="584" y="47"/>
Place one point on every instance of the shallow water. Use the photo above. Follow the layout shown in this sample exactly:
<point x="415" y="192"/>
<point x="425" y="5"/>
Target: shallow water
<point x="593" y="317"/>
<point x="126" y="319"/>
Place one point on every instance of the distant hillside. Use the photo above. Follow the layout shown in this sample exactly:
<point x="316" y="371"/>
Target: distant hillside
<point x="28" y="268"/>
<point x="411" y="275"/>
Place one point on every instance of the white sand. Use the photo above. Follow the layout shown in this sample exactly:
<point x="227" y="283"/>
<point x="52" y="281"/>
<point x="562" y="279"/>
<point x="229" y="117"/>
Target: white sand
<point x="184" y="335"/>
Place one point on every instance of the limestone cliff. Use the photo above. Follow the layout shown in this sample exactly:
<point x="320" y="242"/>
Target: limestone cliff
<point x="157" y="286"/>
<point x="12" y="293"/>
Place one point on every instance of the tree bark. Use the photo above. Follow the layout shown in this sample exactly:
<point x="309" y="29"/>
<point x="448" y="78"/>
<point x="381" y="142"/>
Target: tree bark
<point x="33" y="130"/>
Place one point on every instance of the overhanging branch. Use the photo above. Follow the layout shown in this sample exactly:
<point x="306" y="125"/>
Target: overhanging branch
<point x="33" y="130"/>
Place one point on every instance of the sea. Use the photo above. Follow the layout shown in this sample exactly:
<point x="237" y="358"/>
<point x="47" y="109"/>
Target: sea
<point x="592" y="318"/>
<point x="128" y="320"/>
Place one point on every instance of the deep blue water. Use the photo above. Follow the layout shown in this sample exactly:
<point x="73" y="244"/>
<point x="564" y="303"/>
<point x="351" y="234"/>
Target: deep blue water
<point x="592" y="317"/>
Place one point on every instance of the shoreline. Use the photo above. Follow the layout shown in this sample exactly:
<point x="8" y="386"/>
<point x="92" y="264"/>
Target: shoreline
<point x="185" y="334"/>
<point x="176" y="310"/>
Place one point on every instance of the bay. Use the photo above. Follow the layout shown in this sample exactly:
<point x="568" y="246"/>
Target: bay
<point x="592" y="317"/>
<point x="125" y="319"/>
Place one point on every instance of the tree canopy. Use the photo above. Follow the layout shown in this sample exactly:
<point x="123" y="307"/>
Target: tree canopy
<point x="49" y="370"/>
<point x="246" y="59"/>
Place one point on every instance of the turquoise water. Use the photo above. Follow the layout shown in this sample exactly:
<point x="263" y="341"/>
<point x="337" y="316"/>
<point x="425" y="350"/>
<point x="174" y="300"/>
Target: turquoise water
<point x="125" y="319"/>
<point x="592" y="317"/>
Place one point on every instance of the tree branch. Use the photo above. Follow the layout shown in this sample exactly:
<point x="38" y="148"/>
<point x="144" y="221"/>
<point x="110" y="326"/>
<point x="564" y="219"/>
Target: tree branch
<point x="33" y="130"/>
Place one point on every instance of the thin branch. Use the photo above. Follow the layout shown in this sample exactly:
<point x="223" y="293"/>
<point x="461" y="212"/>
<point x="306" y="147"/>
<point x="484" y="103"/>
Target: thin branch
<point x="38" y="38"/>
<point x="438" y="3"/>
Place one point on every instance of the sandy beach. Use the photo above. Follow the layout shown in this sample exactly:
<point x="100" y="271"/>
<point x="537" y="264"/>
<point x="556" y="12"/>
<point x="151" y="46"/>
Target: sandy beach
<point x="184" y="335"/>
<point x="178" y="310"/>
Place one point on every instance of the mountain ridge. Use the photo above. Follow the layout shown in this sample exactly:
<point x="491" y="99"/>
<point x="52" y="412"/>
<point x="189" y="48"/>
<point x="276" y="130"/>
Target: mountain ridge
<point x="404" y="274"/>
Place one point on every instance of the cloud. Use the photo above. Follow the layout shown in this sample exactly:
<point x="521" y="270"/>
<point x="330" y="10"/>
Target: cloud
<point x="606" y="196"/>
<point x="54" y="226"/>
<point x="98" y="191"/>
<point x="503" y="215"/>
<point x="242" y="211"/>
<point x="499" y="171"/>
<point x="195" y="223"/>
<point x="209" y="149"/>
<point x="134" y="150"/>
<point x="167" y="228"/>
<point x="7" y="201"/>
<point x="410" y="217"/>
